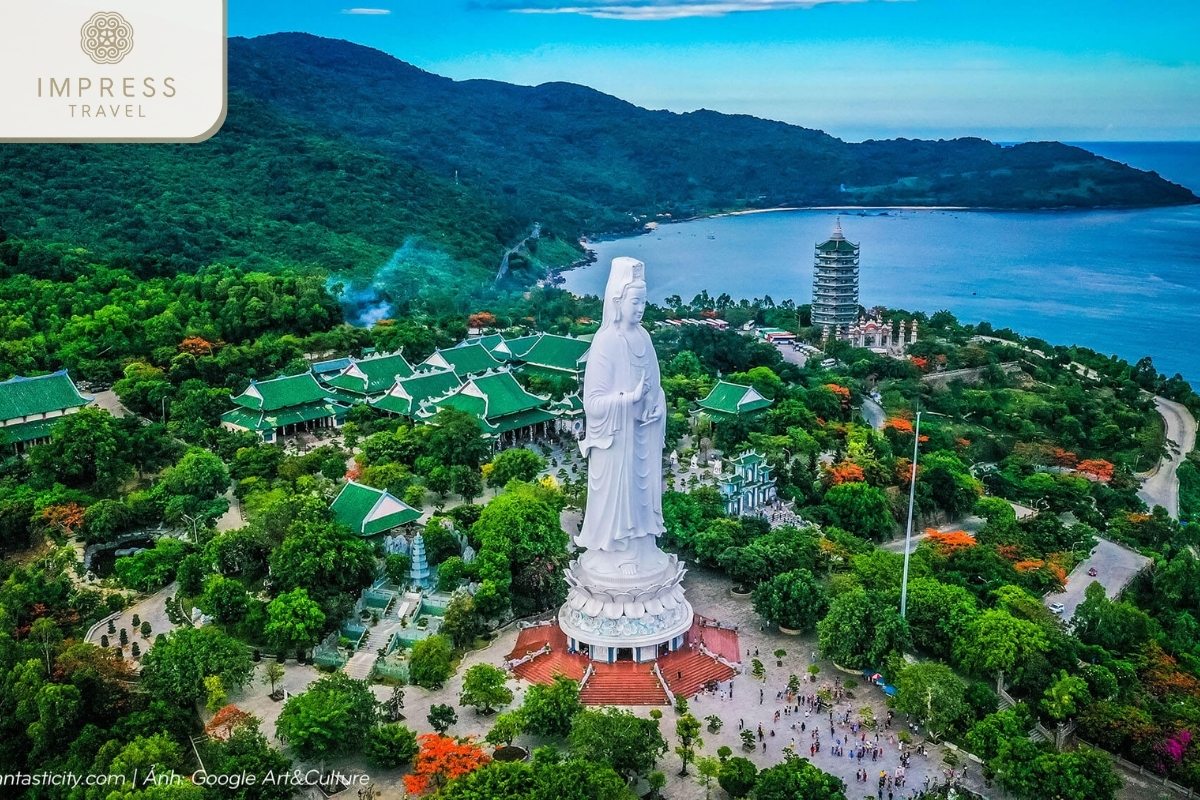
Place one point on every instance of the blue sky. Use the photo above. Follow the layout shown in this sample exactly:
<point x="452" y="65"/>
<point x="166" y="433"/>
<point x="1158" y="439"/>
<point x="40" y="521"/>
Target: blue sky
<point x="1007" y="70"/>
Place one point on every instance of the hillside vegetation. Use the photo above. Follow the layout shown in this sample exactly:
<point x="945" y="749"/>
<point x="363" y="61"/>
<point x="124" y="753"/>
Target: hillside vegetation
<point x="336" y="157"/>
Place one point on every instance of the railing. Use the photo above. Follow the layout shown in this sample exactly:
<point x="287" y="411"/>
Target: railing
<point x="663" y="682"/>
<point x="1140" y="770"/>
<point x="525" y="659"/>
<point x="587" y="673"/>
<point x="738" y="668"/>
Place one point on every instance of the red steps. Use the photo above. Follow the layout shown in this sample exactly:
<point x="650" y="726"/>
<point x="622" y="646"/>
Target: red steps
<point x="623" y="684"/>
<point x="687" y="671"/>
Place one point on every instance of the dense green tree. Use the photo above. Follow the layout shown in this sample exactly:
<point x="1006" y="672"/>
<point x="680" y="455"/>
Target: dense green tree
<point x="151" y="569"/>
<point x="937" y="615"/>
<point x="737" y="777"/>
<point x="505" y="728"/>
<point x="332" y="717"/>
<point x="390" y="746"/>
<point x="329" y="563"/>
<point x="1066" y="696"/>
<point x="629" y="744"/>
<point x="87" y="450"/>
<point x="931" y="692"/>
<point x="199" y="474"/>
<point x="860" y="509"/>
<point x="247" y="751"/>
<point x="861" y="629"/>
<point x="549" y="708"/>
<point x="175" y="668"/>
<point x="441" y="717"/>
<point x="461" y="622"/>
<point x="987" y="736"/>
<point x="996" y="641"/>
<point x="1118" y="627"/>
<point x="483" y="687"/>
<point x="797" y="779"/>
<point x="572" y="779"/>
<point x="191" y="574"/>
<point x="294" y="622"/>
<point x="792" y="600"/>
<point x="516" y="463"/>
<point x="429" y="662"/>
<point x="225" y="599"/>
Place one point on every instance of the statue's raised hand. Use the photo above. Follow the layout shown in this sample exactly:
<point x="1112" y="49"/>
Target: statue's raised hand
<point x="640" y="389"/>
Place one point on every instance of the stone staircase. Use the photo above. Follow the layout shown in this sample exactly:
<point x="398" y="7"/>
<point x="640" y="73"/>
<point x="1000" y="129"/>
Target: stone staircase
<point x="363" y="661"/>
<point x="688" y="671"/>
<point x="623" y="684"/>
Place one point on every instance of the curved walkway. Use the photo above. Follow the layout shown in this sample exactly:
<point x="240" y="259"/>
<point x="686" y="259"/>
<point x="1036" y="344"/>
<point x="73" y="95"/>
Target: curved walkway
<point x="1161" y="488"/>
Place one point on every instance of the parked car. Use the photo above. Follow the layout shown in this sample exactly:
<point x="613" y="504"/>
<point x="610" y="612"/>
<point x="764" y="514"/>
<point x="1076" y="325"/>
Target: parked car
<point x="1092" y="572"/>
<point x="1057" y="608"/>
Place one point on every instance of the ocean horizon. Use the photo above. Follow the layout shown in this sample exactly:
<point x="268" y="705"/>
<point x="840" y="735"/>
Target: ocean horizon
<point x="1124" y="282"/>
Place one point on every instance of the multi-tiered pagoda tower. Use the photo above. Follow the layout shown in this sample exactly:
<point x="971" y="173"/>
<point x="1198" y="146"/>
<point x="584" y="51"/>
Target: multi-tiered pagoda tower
<point x="835" y="285"/>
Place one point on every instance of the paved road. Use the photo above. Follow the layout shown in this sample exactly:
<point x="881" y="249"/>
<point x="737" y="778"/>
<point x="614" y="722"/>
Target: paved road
<point x="1162" y="487"/>
<point x="791" y="355"/>
<point x="1115" y="567"/>
<point x="109" y="401"/>
<point x="873" y="413"/>
<point x="970" y="524"/>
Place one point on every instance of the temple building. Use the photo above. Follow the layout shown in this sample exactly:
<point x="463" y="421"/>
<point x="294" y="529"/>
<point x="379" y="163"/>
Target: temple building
<point x="550" y="355"/>
<point x="284" y="406"/>
<point x="728" y="401"/>
<point x="466" y="359"/>
<point x="405" y="396"/>
<point x="29" y="407"/>
<point x="835" y="285"/>
<point x="881" y="336"/>
<point x="371" y="512"/>
<point x="747" y="485"/>
<point x="363" y="379"/>
<point x="507" y="413"/>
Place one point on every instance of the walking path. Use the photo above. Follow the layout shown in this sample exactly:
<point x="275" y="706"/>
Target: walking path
<point x="1161" y="488"/>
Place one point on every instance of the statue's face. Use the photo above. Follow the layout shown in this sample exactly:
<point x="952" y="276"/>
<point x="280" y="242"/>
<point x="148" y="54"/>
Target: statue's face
<point x="633" y="304"/>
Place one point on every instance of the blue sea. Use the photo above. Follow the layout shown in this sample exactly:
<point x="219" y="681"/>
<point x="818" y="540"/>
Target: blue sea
<point x="1123" y="282"/>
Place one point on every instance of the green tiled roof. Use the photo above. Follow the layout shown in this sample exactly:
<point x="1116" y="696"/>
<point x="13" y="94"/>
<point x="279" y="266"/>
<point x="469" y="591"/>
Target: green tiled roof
<point x="371" y="375"/>
<point x="279" y="393"/>
<point x="368" y="511"/>
<point x="748" y="457"/>
<point x="519" y="346"/>
<point x="732" y="399"/>
<point x="838" y="246"/>
<point x="512" y="422"/>
<point x="26" y="397"/>
<point x="556" y="352"/>
<point x="495" y="344"/>
<point x="496" y="400"/>
<point x="27" y="431"/>
<point x="466" y="359"/>
<point x="268" y="420"/>
<point x="406" y="395"/>
<point x="570" y="406"/>
<point x="504" y="395"/>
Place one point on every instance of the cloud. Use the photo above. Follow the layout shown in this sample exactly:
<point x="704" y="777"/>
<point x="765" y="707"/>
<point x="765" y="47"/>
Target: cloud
<point x="650" y="9"/>
<point x="368" y="12"/>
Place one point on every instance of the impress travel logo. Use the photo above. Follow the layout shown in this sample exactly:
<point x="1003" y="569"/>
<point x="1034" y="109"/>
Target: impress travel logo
<point x="135" y="71"/>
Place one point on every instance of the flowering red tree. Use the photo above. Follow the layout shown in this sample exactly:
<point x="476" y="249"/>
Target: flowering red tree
<point x="845" y="472"/>
<point x="65" y="518"/>
<point x="1097" y="469"/>
<point x="484" y="319"/>
<point x="948" y="542"/>
<point x="441" y="760"/>
<point x="227" y="719"/>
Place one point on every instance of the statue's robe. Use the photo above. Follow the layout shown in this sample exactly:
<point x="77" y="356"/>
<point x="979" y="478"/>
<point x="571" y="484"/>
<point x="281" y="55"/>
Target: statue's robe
<point x="624" y="455"/>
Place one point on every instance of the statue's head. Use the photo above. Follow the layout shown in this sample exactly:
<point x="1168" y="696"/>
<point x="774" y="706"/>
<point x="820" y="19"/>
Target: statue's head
<point x="625" y="294"/>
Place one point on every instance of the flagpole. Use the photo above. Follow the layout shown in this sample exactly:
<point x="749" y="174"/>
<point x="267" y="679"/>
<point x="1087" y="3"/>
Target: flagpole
<point x="912" y="494"/>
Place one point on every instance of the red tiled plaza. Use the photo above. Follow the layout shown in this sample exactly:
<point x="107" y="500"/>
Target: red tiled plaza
<point x="627" y="683"/>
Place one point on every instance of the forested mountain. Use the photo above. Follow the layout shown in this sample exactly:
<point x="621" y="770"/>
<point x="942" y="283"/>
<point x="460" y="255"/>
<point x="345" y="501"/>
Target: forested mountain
<point x="334" y="155"/>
